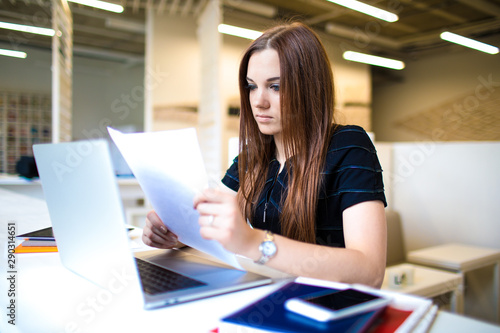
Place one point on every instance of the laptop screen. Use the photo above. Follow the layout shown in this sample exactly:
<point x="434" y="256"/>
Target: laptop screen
<point x="85" y="208"/>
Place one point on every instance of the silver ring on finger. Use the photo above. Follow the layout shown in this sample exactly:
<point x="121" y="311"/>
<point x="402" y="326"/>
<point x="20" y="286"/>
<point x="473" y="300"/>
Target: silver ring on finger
<point x="210" y="220"/>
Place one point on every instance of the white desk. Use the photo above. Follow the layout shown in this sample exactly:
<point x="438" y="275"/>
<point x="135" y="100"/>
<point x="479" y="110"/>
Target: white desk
<point x="431" y="283"/>
<point x="52" y="299"/>
<point x="455" y="257"/>
<point x="463" y="259"/>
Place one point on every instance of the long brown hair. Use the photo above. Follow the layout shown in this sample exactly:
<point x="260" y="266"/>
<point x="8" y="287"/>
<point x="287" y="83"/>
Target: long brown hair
<point x="307" y="102"/>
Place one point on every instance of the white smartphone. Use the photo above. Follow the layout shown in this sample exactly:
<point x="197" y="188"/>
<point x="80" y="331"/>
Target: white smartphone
<point x="326" y="306"/>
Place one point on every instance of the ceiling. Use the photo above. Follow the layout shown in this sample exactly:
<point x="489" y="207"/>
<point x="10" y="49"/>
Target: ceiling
<point x="120" y="37"/>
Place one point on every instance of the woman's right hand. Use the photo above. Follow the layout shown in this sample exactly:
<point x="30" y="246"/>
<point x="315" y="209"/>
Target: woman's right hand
<point x="156" y="234"/>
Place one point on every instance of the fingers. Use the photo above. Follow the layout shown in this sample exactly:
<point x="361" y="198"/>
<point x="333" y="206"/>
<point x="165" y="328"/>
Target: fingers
<point x="210" y="220"/>
<point x="213" y="227"/>
<point x="209" y="205"/>
<point x="212" y="202"/>
<point x="216" y="203"/>
<point x="151" y="239"/>
<point x="207" y="221"/>
<point x="155" y="222"/>
<point x="212" y="232"/>
<point x="211" y="196"/>
<point x="221" y="219"/>
<point x="156" y="234"/>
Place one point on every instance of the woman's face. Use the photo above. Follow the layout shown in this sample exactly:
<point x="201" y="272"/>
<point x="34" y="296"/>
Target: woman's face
<point x="263" y="79"/>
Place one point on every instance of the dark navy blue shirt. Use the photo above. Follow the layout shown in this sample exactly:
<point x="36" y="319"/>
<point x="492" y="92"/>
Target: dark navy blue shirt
<point x="351" y="175"/>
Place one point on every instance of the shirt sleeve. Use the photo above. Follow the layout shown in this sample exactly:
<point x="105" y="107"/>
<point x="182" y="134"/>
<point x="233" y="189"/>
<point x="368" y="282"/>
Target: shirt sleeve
<point x="231" y="178"/>
<point x="353" y="172"/>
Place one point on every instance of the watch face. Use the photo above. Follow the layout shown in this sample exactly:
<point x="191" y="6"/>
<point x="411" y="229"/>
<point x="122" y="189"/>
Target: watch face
<point x="268" y="248"/>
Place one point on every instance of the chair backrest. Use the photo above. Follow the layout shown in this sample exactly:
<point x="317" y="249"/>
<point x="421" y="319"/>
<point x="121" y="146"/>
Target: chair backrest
<point x="396" y="252"/>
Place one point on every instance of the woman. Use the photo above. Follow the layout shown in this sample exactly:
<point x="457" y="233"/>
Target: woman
<point x="309" y="194"/>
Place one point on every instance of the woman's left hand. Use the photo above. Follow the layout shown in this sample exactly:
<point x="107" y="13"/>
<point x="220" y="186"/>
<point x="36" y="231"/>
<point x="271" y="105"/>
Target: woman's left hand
<point x="221" y="220"/>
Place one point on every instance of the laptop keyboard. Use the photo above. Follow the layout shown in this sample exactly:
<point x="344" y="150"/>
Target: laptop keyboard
<point x="156" y="279"/>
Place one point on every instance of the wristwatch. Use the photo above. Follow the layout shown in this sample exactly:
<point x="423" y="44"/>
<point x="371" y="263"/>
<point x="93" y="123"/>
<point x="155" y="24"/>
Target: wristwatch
<point x="267" y="248"/>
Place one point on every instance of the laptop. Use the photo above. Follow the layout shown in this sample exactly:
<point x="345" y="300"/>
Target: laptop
<point x="88" y="223"/>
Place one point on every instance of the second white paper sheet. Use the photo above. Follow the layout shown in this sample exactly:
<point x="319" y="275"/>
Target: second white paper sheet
<point x="169" y="168"/>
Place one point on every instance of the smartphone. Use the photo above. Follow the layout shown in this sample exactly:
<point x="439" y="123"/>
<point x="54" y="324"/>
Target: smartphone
<point x="326" y="306"/>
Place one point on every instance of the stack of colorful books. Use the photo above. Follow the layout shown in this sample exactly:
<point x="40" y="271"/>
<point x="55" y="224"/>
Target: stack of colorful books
<point x="37" y="241"/>
<point x="404" y="314"/>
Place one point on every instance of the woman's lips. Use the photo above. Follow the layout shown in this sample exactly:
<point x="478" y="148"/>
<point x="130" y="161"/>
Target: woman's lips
<point x="263" y="118"/>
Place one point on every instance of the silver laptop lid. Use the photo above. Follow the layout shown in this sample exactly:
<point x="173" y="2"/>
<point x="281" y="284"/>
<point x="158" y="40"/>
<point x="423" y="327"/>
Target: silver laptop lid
<point x="71" y="173"/>
<point x="89" y="225"/>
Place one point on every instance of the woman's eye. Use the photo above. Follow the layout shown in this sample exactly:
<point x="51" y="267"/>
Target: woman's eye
<point x="275" y="87"/>
<point x="251" y="86"/>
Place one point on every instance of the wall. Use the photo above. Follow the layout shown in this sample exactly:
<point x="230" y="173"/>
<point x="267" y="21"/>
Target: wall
<point x="30" y="74"/>
<point x="104" y="92"/>
<point x="445" y="191"/>
<point x="176" y="54"/>
<point x="440" y="92"/>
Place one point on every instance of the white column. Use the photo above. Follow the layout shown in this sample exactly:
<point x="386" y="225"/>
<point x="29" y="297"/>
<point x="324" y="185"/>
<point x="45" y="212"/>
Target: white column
<point x="62" y="71"/>
<point x="148" y="80"/>
<point x="210" y="110"/>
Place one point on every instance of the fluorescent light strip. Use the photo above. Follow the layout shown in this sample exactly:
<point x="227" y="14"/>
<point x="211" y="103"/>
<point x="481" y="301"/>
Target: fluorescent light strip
<point x="238" y="32"/>
<point x="14" y="54"/>
<point x="367" y="9"/>
<point x="467" y="42"/>
<point x="373" y="60"/>
<point x="111" y="7"/>
<point x="27" y="28"/>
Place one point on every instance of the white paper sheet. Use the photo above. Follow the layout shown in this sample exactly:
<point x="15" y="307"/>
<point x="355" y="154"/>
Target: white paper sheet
<point x="169" y="168"/>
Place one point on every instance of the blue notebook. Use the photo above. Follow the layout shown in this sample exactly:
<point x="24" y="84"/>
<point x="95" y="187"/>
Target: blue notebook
<point x="269" y="313"/>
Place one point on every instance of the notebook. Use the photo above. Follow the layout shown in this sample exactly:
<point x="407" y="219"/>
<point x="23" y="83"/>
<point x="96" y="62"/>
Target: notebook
<point x="88" y="221"/>
<point x="257" y="317"/>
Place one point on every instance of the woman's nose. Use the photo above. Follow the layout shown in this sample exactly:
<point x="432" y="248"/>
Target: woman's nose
<point x="260" y="99"/>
